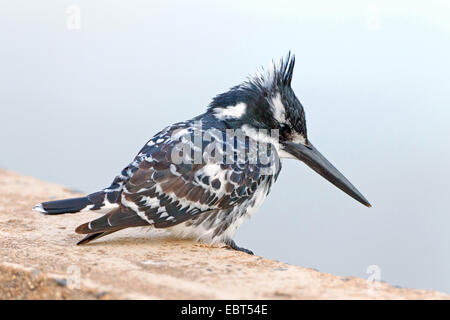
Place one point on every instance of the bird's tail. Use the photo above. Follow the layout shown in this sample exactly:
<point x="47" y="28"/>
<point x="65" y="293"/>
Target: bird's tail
<point x="115" y="220"/>
<point x="94" y="201"/>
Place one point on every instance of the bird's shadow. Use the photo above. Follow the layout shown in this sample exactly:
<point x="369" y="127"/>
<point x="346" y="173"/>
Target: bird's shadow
<point x="150" y="240"/>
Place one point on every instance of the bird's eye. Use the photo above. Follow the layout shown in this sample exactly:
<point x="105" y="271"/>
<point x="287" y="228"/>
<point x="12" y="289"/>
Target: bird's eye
<point x="285" y="131"/>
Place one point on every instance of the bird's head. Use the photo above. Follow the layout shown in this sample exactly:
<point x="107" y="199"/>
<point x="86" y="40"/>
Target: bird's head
<point x="266" y="102"/>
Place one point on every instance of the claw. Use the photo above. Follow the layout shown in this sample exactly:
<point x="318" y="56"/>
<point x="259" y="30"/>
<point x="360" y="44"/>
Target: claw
<point x="231" y="244"/>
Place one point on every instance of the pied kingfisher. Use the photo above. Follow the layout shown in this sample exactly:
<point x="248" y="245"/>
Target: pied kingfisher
<point x="198" y="181"/>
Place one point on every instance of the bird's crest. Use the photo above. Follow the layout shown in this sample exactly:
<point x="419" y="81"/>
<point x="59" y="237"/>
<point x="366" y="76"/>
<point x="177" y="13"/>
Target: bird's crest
<point x="279" y="74"/>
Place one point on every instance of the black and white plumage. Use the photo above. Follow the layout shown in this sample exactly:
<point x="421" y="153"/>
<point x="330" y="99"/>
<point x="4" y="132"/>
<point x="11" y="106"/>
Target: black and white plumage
<point x="219" y="181"/>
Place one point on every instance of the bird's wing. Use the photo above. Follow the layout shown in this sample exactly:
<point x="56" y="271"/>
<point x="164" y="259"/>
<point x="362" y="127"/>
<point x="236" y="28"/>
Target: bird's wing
<point x="165" y="193"/>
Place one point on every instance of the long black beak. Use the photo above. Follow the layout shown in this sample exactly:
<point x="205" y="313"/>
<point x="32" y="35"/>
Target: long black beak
<point x="316" y="161"/>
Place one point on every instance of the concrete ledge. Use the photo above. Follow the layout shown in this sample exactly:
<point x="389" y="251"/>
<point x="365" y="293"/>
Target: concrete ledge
<point x="39" y="260"/>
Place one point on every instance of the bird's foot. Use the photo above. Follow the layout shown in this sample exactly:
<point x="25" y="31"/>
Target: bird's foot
<point x="231" y="244"/>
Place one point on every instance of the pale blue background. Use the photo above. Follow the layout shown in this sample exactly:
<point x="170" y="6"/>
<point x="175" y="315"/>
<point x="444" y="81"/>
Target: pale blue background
<point x="76" y="106"/>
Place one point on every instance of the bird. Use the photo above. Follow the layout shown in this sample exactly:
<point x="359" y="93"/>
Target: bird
<point x="201" y="178"/>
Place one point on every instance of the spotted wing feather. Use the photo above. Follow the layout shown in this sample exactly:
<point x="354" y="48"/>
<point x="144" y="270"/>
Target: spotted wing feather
<point x="166" y="193"/>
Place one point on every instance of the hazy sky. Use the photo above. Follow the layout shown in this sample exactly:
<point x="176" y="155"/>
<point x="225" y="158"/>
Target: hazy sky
<point x="78" y="103"/>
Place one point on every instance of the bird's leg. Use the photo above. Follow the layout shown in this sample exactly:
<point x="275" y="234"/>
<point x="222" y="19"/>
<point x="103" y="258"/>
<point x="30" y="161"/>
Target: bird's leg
<point x="230" y="243"/>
